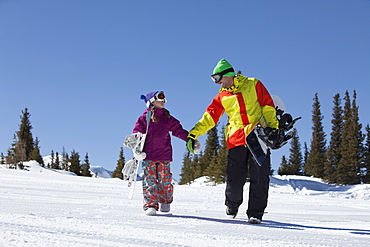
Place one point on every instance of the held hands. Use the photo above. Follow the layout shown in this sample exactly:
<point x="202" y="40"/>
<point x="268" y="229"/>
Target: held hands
<point x="193" y="145"/>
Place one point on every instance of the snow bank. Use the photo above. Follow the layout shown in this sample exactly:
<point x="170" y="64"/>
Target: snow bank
<point x="44" y="207"/>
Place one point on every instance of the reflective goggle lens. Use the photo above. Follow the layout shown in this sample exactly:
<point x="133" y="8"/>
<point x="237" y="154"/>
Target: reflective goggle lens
<point x="161" y="96"/>
<point x="216" y="78"/>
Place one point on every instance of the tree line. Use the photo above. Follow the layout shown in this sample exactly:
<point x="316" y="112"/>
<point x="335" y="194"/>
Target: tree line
<point x="25" y="148"/>
<point x="345" y="161"/>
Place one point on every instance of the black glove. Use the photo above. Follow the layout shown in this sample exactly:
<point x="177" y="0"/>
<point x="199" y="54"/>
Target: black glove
<point x="274" y="138"/>
<point x="286" y="121"/>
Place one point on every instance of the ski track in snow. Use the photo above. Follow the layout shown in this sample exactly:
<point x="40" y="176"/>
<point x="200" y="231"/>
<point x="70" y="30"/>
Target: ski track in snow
<point x="42" y="207"/>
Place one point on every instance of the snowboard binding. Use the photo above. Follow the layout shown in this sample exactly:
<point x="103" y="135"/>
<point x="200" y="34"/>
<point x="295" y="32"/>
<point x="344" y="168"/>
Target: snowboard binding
<point x="277" y="138"/>
<point x="136" y="143"/>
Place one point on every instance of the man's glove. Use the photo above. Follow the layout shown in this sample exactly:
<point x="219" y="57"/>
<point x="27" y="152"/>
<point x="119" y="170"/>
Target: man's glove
<point x="286" y="121"/>
<point x="193" y="145"/>
<point x="275" y="138"/>
<point x="190" y="142"/>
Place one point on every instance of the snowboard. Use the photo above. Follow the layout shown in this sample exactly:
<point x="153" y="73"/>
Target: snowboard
<point x="136" y="143"/>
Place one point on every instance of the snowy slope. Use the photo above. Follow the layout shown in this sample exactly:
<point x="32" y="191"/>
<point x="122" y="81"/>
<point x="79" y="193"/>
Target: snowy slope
<point x="43" y="207"/>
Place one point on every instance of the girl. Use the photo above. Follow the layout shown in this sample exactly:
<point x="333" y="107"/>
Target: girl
<point x="157" y="182"/>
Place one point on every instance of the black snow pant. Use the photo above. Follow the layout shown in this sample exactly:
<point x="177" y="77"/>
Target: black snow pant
<point x="240" y="165"/>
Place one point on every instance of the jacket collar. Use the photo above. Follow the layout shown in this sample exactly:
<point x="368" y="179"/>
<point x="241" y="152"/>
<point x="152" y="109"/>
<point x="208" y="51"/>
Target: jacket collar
<point x="238" y="81"/>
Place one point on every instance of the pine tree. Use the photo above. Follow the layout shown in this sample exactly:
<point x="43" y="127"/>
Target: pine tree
<point x="316" y="156"/>
<point x="35" y="154"/>
<point x="295" y="157"/>
<point x="85" y="167"/>
<point x="52" y="157"/>
<point x="11" y="157"/>
<point x="16" y="154"/>
<point x="23" y="143"/>
<point x="57" y="161"/>
<point x="217" y="169"/>
<point x="333" y="155"/>
<point x="24" y="134"/>
<point x="197" y="166"/>
<point x="351" y="149"/>
<point x="210" y="151"/>
<point x="305" y="151"/>
<point x="366" y="172"/>
<point x="2" y="159"/>
<point x="187" y="173"/>
<point x="75" y="166"/>
<point x="285" y="167"/>
<point x="294" y="165"/>
<point x="360" y="137"/>
<point x="65" y="160"/>
<point x="120" y="164"/>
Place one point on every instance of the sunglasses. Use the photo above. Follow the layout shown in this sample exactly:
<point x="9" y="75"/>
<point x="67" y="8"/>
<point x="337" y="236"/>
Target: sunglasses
<point x="218" y="76"/>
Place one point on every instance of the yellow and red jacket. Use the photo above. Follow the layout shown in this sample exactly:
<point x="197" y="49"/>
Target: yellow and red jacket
<point x="247" y="103"/>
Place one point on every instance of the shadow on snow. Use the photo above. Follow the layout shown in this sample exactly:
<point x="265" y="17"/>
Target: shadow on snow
<point x="269" y="224"/>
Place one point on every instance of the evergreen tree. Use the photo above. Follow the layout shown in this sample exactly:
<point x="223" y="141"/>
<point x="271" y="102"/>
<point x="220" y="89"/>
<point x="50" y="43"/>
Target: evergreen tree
<point x="294" y="165"/>
<point x="65" y="160"/>
<point x="366" y="172"/>
<point x="35" y="154"/>
<point x="210" y="151"/>
<point x="333" y="155"/>
<point x="85" y="167"/>
<point x="2" y="159"/>
<point x="57" y="161"/>
<point x="360" y="137"/>
<point x="187" y="173"/>
<point x="295" y="157"/>
<point x="11" y="157"/>
<point x="285" y="167"/>
<point x="25" y="136"/>
<point x="351" y="149"/>
<point x="120" y="164"/>
<point x="16" y="154"/>
<point x="217" y="169"/>
<point x="316" y="156"/>
<point x="197" y="166"/>
<point x="52" y="160"/>
<point x="75" y="166"/>
<point x="305" y="151"/>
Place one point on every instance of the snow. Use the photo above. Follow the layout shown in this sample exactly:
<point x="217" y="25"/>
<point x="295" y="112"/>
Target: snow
<point x="43" y="207"/>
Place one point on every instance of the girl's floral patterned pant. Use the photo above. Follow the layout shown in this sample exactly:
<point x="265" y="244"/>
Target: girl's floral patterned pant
<point x="157" y="183"/>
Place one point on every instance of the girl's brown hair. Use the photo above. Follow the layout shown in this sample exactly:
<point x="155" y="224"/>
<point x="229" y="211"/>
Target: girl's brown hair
<point x="153" y="118"/>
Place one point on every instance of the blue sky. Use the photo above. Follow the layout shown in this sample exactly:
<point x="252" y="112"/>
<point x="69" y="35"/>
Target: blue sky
<point x="80" y="66"/>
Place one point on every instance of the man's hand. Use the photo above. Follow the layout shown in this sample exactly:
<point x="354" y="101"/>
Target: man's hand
<point x="190" y="143"/>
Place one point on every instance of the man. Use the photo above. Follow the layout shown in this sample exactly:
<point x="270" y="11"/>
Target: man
<point x="247" y="103"/>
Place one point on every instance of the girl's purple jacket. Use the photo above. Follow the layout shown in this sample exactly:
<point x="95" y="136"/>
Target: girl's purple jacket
<point x="158" y="140"/>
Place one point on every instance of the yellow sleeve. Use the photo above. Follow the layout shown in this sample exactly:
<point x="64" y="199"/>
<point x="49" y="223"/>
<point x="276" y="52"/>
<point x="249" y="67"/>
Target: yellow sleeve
<point x="269" y="114"/>
<point x="209" y="119"/>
